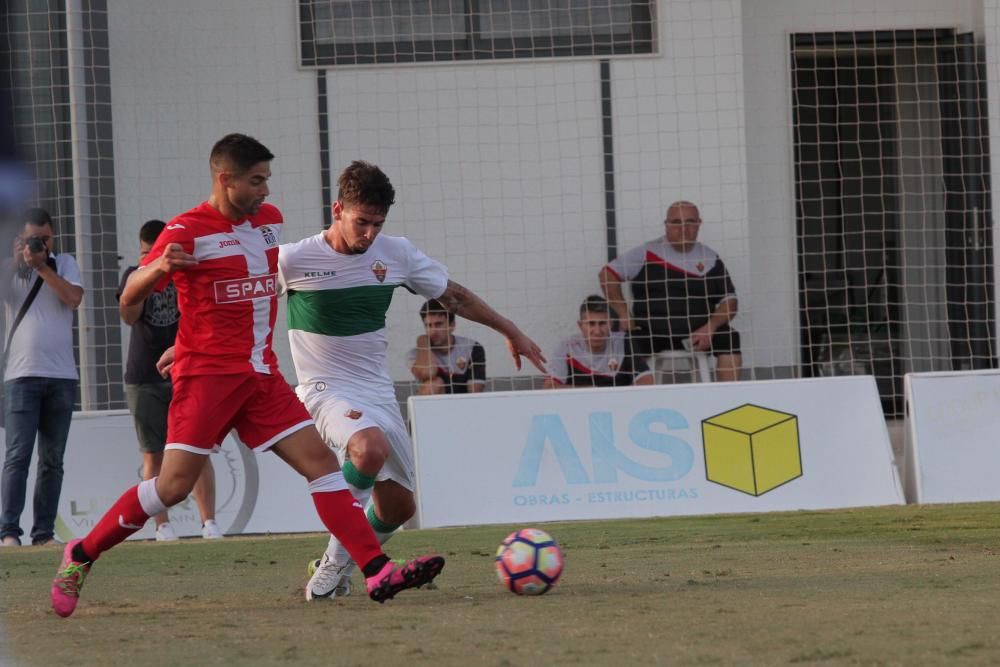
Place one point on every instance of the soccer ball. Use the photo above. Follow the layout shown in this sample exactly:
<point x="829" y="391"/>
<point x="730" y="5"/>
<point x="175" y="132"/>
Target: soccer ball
<point x="529" y="562"/>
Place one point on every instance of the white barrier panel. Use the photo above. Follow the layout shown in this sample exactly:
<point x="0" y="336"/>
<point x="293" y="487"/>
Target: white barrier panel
<point x="952" y="435"/>
<point x="518" y="457"/>
<point x="254" y="493"/>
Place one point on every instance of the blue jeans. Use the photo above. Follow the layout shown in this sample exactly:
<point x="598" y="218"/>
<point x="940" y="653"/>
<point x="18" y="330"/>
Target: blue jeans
<point x="43" y="407"/>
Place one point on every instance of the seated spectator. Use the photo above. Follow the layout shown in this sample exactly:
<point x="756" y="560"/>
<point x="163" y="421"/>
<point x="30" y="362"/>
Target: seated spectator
<point x="443" y="362"/>
<point x="682" y="295"/>
<point x="597" y="356"/>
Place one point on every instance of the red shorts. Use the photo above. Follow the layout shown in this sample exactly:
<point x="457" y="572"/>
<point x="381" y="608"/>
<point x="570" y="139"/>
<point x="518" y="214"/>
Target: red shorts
<point x="262" y="408"/>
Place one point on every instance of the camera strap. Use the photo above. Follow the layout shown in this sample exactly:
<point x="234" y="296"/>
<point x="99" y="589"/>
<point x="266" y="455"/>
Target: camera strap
<point x="20" y="316"/>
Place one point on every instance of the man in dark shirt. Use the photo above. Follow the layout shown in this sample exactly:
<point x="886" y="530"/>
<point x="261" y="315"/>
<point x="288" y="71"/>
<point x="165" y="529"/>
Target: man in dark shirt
<point x="597" y="356"/>
<point x="682" y="295"/>
<point x="154" y="328"/>
<point x="443" y="362"/>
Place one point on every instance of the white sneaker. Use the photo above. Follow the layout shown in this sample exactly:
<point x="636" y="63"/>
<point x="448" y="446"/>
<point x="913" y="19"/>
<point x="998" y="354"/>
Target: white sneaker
<point x="211" y="530"/>
<point x="166" y="533"/>
<point x="10" y="541"/>
<point x="330" y="580"/>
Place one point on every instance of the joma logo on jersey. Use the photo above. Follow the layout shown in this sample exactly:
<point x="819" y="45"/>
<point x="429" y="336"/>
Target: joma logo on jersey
<point x="246" y="289"/>
<point x="228" y="242"/>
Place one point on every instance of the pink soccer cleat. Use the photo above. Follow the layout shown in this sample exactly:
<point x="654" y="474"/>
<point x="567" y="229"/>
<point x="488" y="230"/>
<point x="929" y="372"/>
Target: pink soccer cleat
<point x="394" y="578"/>
<point x="68" y="582"/>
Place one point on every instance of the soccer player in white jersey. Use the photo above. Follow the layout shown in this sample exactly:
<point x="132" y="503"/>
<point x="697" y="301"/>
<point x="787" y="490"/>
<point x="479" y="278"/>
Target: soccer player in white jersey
<point x="339" y="285"/>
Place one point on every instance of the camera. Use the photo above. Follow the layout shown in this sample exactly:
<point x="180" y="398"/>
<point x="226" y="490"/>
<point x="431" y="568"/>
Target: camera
<point x="35" y="244"/>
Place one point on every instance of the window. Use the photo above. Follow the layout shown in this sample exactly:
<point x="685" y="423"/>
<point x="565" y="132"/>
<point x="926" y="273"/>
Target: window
<point x="357" y="32"/>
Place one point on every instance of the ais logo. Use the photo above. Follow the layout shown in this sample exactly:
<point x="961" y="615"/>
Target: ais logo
<point x="649" y="430"/>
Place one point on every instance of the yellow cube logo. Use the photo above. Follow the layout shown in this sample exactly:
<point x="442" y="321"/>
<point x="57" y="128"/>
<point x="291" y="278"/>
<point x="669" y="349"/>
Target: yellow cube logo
<point x="752" y="449"/>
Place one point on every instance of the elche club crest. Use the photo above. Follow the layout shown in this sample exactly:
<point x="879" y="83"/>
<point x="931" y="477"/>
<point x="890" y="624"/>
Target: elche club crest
<point x="701" y="266"/>
<point x="461" y="363"/>
<point x="613" y="365"/>
<point x="380" y="270"/>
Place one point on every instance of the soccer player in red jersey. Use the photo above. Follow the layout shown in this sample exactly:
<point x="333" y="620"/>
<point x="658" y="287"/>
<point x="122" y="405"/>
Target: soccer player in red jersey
<point x="223" y="259"/>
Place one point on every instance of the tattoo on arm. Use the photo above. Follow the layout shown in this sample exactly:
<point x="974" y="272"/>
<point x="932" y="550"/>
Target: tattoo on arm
<point x="454" y="297"/>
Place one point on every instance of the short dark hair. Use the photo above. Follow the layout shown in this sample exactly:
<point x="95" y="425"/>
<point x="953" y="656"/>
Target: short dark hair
<point x="239" y="152"/>
<point x="364" y="183"/>
<point x="150" y="230"/>
<point x="435" y="307"/>
<point x="595" y="304"/>
<point x="38" y="217"/>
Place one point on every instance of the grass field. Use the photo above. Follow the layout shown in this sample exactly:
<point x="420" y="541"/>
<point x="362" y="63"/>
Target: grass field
<point x="887" y="586"/>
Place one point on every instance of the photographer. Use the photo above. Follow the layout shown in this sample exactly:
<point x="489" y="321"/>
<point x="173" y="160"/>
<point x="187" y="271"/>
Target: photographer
<point x="42" y="289"/>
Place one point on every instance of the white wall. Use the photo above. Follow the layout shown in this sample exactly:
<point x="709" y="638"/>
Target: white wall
<point x="679" y="134"/>
<point x="498" y="174"/>
<point x="498" y="166"/>
<point x="186" y="72"/>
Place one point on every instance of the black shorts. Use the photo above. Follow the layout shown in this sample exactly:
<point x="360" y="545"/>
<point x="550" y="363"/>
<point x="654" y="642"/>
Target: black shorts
<point x="149" y="404"/>
<point x="725" y="341"/>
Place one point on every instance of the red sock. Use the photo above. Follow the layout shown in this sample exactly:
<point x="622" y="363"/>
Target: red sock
<point x="125" y="517"/>
<point x="342" y="515"/>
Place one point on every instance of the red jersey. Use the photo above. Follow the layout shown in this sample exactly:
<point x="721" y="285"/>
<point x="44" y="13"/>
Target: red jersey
<point x="229" y="299"/>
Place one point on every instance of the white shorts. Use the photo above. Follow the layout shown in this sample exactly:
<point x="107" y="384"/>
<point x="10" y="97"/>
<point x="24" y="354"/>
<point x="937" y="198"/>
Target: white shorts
<point x="338" y="418"/>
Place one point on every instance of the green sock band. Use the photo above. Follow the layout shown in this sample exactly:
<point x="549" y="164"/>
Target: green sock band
<point x="357" y="478"/>
<point x="377" y="524"/>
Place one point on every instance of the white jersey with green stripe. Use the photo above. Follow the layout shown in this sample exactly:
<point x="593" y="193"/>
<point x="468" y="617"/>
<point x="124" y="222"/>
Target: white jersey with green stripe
<point x="337" y="305"/>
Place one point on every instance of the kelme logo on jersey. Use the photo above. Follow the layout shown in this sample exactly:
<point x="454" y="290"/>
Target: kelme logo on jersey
<point x="270" y="238"/>
<point x="246" y="289"/>
<point x="379" y="269"/>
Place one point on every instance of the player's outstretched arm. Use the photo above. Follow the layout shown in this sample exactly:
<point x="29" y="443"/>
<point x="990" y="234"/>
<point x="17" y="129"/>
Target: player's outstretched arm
<point x="144" y="279"/>
<point x="462" y="301"/>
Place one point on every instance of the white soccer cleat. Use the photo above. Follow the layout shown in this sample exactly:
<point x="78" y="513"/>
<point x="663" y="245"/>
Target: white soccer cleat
<point x="166" y="533"/>
<point x="329" y="580"/>
<point x="211" y="530"/>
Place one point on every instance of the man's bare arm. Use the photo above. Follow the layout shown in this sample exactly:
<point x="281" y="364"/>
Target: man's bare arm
<point x="424" y="366"/>
<point x="612" y="288"/>
<point x="67" y="292"/>
<point x="462" y="301"/>
<point x="142" y="281"/>
<point x="701" y="338"/>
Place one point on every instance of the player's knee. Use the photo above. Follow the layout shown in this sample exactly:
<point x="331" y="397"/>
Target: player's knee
<point x="369" y="450"/>
<point x="369" y="459"/>
<point x="175" y="488"/>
